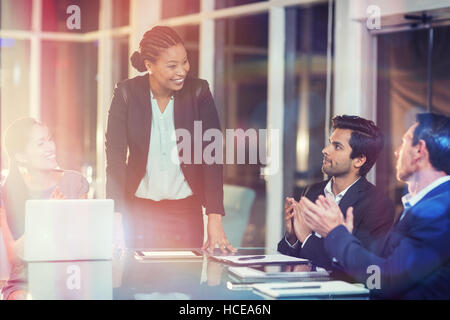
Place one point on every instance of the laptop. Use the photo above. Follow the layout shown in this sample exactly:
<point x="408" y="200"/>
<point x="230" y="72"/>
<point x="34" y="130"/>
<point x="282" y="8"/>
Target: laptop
<point x="68" y="230"/>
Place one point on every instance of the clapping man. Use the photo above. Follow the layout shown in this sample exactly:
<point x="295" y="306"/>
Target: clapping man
<point x="413" y="259"/>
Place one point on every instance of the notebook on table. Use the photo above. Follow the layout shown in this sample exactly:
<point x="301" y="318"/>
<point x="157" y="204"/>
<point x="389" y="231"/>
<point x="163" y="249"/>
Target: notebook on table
<point x="311" y="289"/>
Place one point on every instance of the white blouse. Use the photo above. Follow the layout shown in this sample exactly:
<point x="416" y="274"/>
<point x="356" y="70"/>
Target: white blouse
<point x="163" y="178"/>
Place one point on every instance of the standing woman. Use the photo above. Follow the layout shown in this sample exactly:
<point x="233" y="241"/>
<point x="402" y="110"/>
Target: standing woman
<point x="162" y="195"/>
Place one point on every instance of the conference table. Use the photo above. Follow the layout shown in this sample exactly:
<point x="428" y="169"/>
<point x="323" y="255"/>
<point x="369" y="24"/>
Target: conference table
<point x="126" y="277"/>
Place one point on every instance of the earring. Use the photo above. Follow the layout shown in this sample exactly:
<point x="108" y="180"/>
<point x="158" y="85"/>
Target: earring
<point x="149" y="72"/>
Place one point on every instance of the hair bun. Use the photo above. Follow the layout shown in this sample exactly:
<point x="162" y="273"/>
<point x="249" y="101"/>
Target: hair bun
<point x="137" y="62"/>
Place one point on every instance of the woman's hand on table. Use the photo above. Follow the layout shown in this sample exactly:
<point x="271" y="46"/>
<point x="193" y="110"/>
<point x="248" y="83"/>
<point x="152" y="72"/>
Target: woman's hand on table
<point x="216" y="235"/>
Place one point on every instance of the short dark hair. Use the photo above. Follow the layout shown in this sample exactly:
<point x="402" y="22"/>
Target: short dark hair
<point x="434" y="129"/>
<point x="153" y="42"/>
<point x="366" y="139"/>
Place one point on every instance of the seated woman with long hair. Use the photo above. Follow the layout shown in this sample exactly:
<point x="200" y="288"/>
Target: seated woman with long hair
<point x="33" y="174"/>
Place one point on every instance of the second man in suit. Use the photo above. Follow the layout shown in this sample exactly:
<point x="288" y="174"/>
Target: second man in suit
<point x="355" y="144"/>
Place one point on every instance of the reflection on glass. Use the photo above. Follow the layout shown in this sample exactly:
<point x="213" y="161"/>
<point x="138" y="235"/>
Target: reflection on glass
<point x="175" y="8"/>
<point x="15" y="83"/>
<point x="190" y="36"/>
<point x="148" y="279"/>
<point x="241" y="97"/>
<point x="15" y="14"/>
<point x="211" y="272"/>
<point x="69" y="100"/>
<point x="74" y="280"/>
<point x="55" y="16"/>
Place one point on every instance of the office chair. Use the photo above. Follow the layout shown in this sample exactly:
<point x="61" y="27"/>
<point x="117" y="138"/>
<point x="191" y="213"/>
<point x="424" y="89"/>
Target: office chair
<point x="238" y="202"/>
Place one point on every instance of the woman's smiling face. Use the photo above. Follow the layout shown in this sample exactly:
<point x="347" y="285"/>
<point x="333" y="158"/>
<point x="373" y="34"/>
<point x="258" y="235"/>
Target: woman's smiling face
<point x="39" y="153"/>
<point x="171" y="68"/>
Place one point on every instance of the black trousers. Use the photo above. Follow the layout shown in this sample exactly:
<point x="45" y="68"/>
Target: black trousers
<point x="165" y="223"/>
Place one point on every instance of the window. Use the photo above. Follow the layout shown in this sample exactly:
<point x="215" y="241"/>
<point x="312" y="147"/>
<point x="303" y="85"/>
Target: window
<point x="175" y="8"/>
<point x="15" y="63"/>
<point x="306" y="84"/>
<point x="121" y="13"/>
<point x="221" y="4"/>
<point x="54" y="15"/>
<point x="69" y="100"/>
<point x="120" y="58"/>
<point x="241" y="96"/>
<point x="190" y="36"/>
<point x="15" y="14"/>
<point x="403" y="91"/>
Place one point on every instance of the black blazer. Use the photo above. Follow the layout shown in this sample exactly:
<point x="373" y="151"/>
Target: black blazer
<point x="129" y="127"/>
<point x="373" y="215"/>
<point x="413" y="258"/>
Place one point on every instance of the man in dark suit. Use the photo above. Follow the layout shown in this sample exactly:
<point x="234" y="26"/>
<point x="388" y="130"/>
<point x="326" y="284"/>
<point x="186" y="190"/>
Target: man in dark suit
<point x="354" y="147"/>
<point x="413" y="260"/>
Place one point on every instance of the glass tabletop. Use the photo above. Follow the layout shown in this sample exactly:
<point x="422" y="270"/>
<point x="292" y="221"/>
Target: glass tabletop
<point x="129" y="277"/>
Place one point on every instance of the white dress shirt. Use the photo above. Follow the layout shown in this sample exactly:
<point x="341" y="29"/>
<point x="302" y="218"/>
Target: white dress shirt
<point x="410" y="200"/>
<point x="163" y="178"/>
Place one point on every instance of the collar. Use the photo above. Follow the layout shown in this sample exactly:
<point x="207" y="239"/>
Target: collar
<point x="410" y="200"/>
<point x="153" y="97"/>
<point x="341" y="194"/>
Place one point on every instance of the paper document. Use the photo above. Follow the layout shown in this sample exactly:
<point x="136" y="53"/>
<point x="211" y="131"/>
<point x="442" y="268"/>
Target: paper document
<point x="314" y="289"/>
<point x="259" y="259"/>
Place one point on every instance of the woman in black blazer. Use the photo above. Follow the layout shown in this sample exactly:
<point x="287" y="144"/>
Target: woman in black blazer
<point x="160" y="194"/>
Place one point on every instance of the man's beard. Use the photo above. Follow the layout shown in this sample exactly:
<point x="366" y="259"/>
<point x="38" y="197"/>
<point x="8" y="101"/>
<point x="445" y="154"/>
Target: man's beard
<point x="334" y="172"/>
